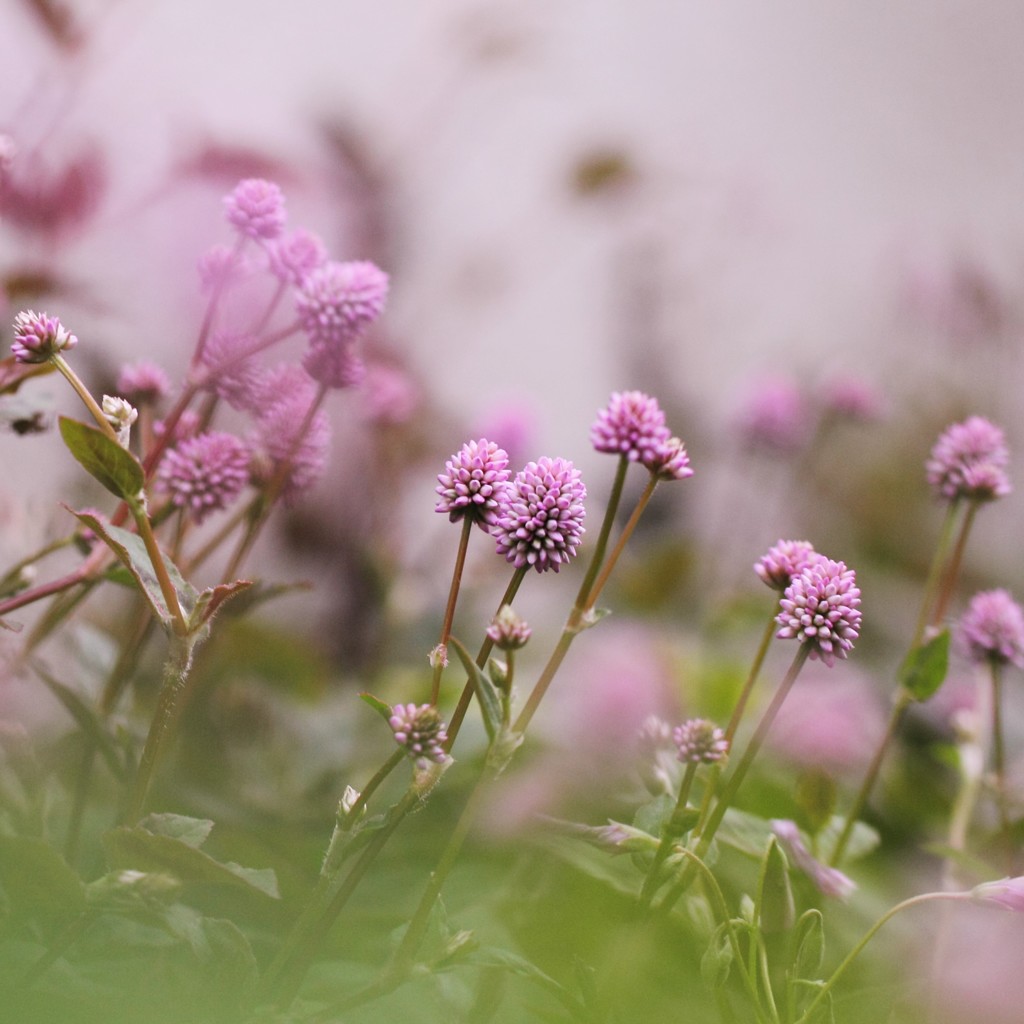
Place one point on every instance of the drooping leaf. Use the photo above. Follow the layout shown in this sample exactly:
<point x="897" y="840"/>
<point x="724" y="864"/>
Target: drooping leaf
<point x="141" y="850"/>
<point x="132" y="552"/>
<point x="924" y="668"/>
<point x="37" y="880"/>
<point x="103" y="458"/>
<point x="381" y="707"/>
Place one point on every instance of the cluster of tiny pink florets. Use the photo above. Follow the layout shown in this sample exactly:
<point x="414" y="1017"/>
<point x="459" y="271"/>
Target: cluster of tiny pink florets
<point x="474" y="483"/>
<point x="205" y="473"/>
<point x="992" y="628"/>
<point x="633" y="425"/>
<point x="418" y="728"/>
<point x="699" y="741"/>
<point x="783" y="561"/>
<point x="821" y="609"/>
<point x="969" y="460"/>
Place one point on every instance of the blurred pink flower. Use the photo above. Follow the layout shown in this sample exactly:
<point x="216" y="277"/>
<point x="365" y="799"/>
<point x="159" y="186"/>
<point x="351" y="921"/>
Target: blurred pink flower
<point x="831" y="720"/>
<point x="774" y="417"/>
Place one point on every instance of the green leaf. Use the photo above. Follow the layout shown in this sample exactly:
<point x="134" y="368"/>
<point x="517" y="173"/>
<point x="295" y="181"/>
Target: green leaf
<point x="191" y="831"/>
<point x="381" y="707"/>
<point x="486" y="694"/>
<point x="128" y="891"/>
<point x="653" y="816"/>
<point x="132" y="552"/>
<point x="37" y="881"/>
<point x="745" y="832"/>
<point x="808" y="945"/>
<point x="141" y="850"/>
<point x="775" y="910"/>
<point x="716" y="962"/>
<point x="103" y="458"/>
<point x="924" y="668"/>
<point x="87" y="720"/>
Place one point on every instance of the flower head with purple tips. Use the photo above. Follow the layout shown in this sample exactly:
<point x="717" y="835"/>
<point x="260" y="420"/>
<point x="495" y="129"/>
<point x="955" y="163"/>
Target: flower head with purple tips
<point x="337" y="301"/>
<point x="420" y="731"/>
<point x="821" y="608"/>
<point x="474" y="483"/>
<point x="783" y="561"/>
<point x="39" y="337"/>
<point x="255" y="208"/>
<point x="205" y="473"/>
<point x="508" y="632"/>
<point x="143" y="383"/>
<point x="699" y="741"/>
<point x="969" y="461"/>
<point x="292" y="258"/>
<point x="992" y="628"/>
<point x="668" y="460"/>
<point x="632" y="424"/>
<point x="541" y="521"/>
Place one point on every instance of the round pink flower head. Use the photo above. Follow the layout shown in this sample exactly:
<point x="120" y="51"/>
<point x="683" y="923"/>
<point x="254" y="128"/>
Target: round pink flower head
<point x="143" y="383"/>
<point x="292" y="258"/>
<point x="853" y="398"/>
<point x="336" y="302"/>
<point x="256" y="209"/>
<point x="775" y="417"/>
<point x="508" y="631"/>
<point x="234" y="373"/>
<point x="39" y="337"/>
<point x="821" y="608"/>
<point x="541" y="521"/>
<point x="700" y="742"/>
<point x="992" y="628"/>
<point x="969" y="461"/>
<point x="334" y="366"/>
<point x="419" y="729"/>
<point x="283" y="401"/>
<point x="668" y="460"/>
<point x="205" y="473"/>
<point x="474" y="483"/>
<point x="632" y="424"/>
<point x="783" y="561"/>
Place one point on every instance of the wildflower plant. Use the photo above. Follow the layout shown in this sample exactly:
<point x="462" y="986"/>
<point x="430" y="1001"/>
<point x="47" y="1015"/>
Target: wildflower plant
<point x="118" y="857"/>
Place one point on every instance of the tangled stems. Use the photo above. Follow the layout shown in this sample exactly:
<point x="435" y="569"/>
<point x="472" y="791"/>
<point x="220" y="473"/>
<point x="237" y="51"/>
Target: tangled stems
<point x="707" y="832"/>
<point x="671" y="831"/>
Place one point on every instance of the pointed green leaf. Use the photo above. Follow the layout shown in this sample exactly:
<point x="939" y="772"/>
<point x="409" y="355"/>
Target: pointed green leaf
<point x="716" y="962"/>
<point x="654" y="815"/>
<point x="808" y="945"/>
<point x="744" y="831"/>
<point x="103" y="458"/>
<point x="775" y="908"/>
<point x="863" y="839"/>
<point x="37" y="880"/>
<point x="87" y="720"/>
<point x="191" y="831"/>
<point x="383" y="709"/>
<point x="132" y="552"/>
<point x="924" y="668"/>
<point x="486" y="694"/>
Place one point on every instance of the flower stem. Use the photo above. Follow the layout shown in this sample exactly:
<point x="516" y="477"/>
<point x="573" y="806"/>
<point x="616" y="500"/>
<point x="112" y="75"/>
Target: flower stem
<point x="449" y="611"/>
<point x="953" y="568"/>
<point x="999" y="765"/>
<point x="935" y="572"/>
<point x="179" y="660"/>
<point x="900" y="704"/>
<point x="670" y="833"/>
<point x="83" y="393"/>
<point x="808" y="1013"/>
<point x="614" y="497"/>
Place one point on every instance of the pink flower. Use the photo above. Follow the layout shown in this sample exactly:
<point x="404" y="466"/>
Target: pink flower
<point x="992" y="628"/>
<point x="419" y="729"/>
<point x="205" y="473"/>
<point x="699" y="741"/>
<point x="39" y="337"/>
<point x="783" y="561"/>
<point x="143" y="383"/>
<point x="828" y="881"/>
<point x="632" y="424"/>
<point x="474" y="483"/>
<point x="821" y="608"/>
<point x="969" y="461"/>
<point x="1007" y="894"/>
<point x="256" y="209"/>
<point x="775" y="417"/>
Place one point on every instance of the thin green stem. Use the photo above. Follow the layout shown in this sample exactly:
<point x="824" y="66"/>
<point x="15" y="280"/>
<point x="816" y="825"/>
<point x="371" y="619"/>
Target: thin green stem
<point x="953" y="569"/>
<point x="900" y="704"/>
<point x="620" y="544"/>
<point x="935" y="572"/>
<point x="722" y="804"/>
<point x="755" y="671"/>
<point x="179" y="660"/>
<point x="671" y="831"/>
<point x="466" y="697"/>
<point x="396" y="758"/>
<point x="449" y="611"/>
<point x="84" y="394"/>
<point x="170" y="595"/>
<point x="999" y="764"/>
<point x="596" y="560"/>
<point x="808" y="1013"/>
